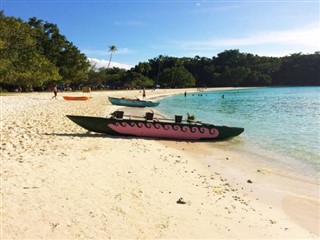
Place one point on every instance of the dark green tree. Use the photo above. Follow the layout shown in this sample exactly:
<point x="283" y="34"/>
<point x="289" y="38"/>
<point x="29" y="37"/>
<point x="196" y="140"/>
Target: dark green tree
<point x="143" y="68"/>
<point x="183" y="78"/>
<point x="73" y="65"/>
<point x="299" y="69"/>
<point x="21" y="61"/>
<point x="134" y="79"/>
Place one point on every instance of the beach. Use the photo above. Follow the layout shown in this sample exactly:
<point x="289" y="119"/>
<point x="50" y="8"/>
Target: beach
<point x="60" y="182"/>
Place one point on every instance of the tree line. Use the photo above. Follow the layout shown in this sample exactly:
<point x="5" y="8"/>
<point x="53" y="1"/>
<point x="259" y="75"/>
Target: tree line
<point x="35" y="54"/>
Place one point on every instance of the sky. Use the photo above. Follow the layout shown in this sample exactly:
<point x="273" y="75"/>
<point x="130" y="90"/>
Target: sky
<point x="144" y="29"/>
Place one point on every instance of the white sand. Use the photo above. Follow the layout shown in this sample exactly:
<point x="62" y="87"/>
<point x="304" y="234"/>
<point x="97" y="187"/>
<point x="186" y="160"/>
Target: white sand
<point x="60" y="182"/>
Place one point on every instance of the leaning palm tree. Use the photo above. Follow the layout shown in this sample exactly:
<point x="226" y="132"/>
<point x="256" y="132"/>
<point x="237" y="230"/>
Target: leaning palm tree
<point x="112" y="49"/>
<point x="159" y="60"/>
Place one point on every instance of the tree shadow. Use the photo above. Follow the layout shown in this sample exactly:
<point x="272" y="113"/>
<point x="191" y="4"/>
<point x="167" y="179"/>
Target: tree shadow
<point x="102" y="135"/>
<point x="89" y="134"/>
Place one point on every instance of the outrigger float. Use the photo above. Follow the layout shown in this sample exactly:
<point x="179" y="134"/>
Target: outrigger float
<point x="150" y="127"/>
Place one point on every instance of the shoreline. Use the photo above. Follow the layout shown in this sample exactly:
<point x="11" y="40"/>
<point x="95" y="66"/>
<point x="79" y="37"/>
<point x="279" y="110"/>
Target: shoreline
<point x="77" y="185"/>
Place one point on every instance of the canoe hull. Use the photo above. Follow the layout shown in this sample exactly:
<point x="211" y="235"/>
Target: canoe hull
<point x="75" y="98"/>
<point x="132" y="102"/>
<point x="155" y="129"/>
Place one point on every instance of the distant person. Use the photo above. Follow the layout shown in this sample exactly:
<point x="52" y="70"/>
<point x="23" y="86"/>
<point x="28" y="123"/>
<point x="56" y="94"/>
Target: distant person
<point x="55" y="92"/>
<point x="222" y="96"/>
<point x="185" y="93"/>
<point x="143" y="94"/>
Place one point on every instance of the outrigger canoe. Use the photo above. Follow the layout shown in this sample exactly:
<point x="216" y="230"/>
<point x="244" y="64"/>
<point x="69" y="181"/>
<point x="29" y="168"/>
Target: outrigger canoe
<point x="76" y="98"/>
<point x="132" y="102"/>
<point x="149" y="127"/>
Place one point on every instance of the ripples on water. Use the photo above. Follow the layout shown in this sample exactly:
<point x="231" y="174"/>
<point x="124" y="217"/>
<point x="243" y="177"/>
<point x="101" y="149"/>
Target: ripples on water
<point x="281" y="123"/>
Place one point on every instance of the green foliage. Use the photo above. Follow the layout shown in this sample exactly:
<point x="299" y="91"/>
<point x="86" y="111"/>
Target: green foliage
<point x="21" y="62"/>
<point x="143" y="68"/>
<point x="176" y="77"/>
<point x="299" y="69"/>
<point x="35" y="53"/>
<point x="133" y="79"/>
<point x="229" y="68"/>
<point x="73" y="65"/>
<point x="114" y="77"/>
<point x="96" y="78"/>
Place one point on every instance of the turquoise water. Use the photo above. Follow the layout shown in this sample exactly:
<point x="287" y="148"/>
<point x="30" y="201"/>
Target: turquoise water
<point x="281" y="124"/>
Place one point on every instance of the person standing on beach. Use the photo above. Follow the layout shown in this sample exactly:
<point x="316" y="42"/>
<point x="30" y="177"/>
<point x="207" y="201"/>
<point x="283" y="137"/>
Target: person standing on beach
<point x="55" y="92"/>
<point x="143" y="94"/>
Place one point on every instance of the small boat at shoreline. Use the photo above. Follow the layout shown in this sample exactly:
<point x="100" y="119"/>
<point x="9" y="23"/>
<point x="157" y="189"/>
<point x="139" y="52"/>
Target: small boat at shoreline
<point x="132" y="102"/>
<point x="150" y="127"/>
<point x="76" y="98"/>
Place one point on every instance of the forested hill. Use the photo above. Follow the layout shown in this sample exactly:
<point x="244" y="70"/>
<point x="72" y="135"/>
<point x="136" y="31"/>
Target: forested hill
<point x="35" y="54"/>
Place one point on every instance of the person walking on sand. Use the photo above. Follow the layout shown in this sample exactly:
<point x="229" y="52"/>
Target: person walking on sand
<point x="55" y="92"/>
<point x="143" y="94"/>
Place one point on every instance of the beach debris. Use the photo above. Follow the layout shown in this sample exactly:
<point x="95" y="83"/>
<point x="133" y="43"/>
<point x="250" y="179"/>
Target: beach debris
<point x="181" y="201"/>
<point x="53" y="226"/>
<point x="249" y="181"/>
<point x="263" y="171"/>
<point x="272" y="221"/>
<point x="30" y="187"/>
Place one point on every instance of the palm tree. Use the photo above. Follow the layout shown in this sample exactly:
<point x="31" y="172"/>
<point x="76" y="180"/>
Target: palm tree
<point x="112" y="49"/>
<point x="159" y="60"/>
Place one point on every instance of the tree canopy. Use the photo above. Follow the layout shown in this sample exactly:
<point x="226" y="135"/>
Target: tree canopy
<point x="34" y="53"/>
<point x="21" y="61"/>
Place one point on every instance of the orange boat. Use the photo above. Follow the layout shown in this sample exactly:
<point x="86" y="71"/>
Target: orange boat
<point x="76" y="98"/>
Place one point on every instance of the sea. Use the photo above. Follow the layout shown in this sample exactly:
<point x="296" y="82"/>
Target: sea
<point x="282" y="124"/>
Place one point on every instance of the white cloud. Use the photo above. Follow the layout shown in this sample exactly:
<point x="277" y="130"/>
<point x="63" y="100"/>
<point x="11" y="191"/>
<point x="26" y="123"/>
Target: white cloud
<point x="305" y="37"/>
<point x="296" y="40"/>
<point x="102" y="63"/>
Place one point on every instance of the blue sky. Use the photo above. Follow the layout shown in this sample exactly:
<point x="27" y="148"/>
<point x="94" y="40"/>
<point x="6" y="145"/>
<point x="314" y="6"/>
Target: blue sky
<point x="142" y="30"/>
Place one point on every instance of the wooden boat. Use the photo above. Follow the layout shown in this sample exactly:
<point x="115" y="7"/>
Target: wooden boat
<point x="76" y="98"/>
<point x="151" y="127"/>
<point x="132" y="102"/>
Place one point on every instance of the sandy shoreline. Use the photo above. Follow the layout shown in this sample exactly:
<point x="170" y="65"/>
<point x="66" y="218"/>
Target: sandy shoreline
<point x="57" y="181"/>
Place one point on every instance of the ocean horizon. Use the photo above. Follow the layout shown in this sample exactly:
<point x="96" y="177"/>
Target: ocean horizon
<point x="281" y="123"/>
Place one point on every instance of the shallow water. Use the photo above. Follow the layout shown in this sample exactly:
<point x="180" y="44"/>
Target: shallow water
<point x="282" y="125"/>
